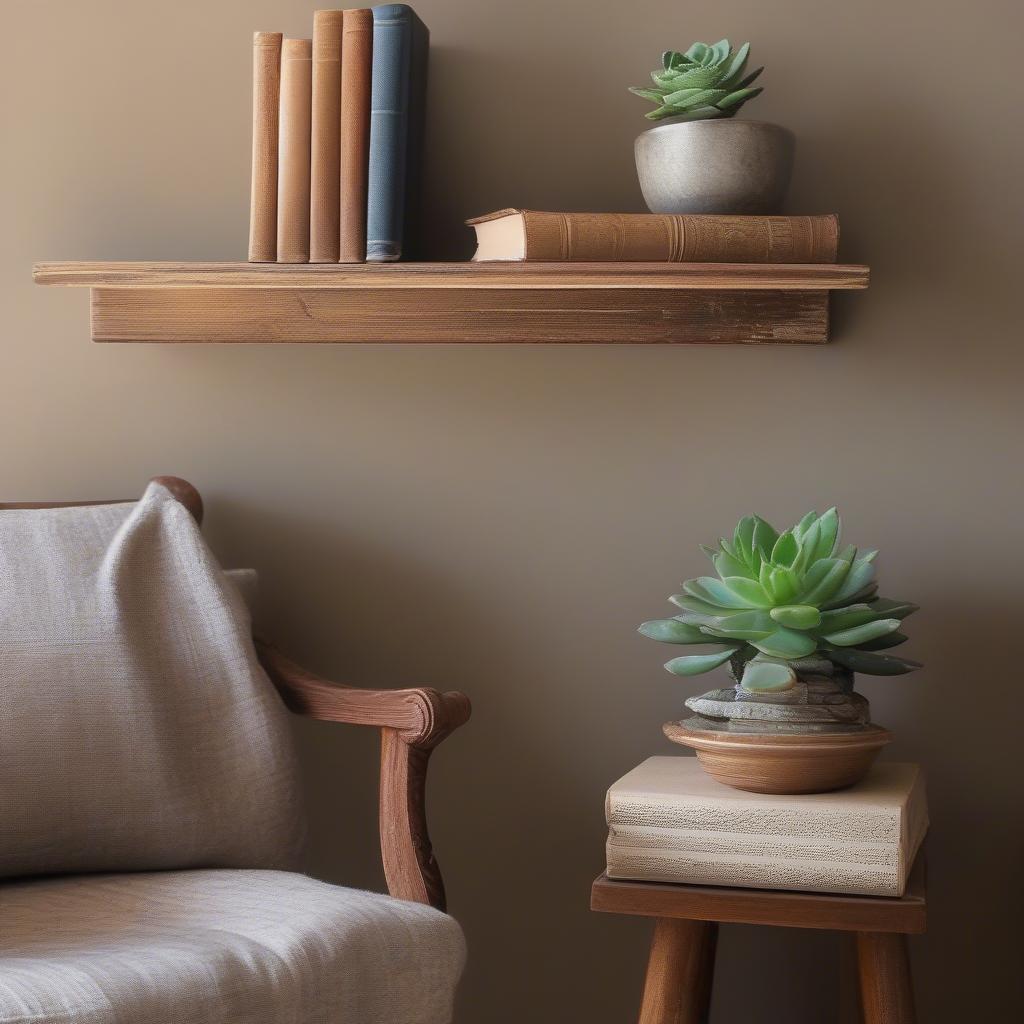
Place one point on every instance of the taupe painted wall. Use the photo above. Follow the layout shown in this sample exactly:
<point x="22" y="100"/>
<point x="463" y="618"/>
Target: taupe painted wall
<point x="499" y="518"/>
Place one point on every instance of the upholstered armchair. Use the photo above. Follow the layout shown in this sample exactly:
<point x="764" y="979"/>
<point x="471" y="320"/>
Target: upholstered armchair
<point x="150" y="820"/>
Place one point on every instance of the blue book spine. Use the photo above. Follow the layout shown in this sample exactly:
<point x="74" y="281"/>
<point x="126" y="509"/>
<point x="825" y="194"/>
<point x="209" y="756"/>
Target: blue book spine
<point x="397" y="91"/>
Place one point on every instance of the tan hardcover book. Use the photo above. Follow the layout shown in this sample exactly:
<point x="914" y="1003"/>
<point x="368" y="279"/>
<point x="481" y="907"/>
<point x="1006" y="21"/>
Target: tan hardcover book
<point x="668" y="821"/>
<point x="326" y="137"/>
<point x="294" y="151"/>
<point x="654" y="237"/>
<point x="356" y="68"/>
<point x="266" y="91"/>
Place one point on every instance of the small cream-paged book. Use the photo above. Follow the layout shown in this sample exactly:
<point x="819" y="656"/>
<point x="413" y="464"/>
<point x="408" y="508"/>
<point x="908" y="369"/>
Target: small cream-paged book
<point x="668" y="821"/>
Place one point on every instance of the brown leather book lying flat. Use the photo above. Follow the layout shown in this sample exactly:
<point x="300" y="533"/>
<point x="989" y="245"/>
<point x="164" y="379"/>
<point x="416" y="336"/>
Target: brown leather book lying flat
<point x="654" y="237"/>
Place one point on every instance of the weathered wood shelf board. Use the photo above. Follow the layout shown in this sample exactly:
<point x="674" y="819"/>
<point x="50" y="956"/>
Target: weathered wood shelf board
<point x="611" y="303"/>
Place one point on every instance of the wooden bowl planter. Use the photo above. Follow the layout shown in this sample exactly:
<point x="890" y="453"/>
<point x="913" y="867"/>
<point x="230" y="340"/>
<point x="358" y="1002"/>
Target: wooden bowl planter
<point x="780" y="762"/>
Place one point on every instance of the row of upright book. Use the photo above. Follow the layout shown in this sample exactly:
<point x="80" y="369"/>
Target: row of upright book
<point x="337" y="138"/>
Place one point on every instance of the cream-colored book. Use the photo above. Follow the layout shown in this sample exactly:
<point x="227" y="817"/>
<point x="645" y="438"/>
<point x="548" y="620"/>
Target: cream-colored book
<point x="668" y="821"/>
<point x="294" y="151"/>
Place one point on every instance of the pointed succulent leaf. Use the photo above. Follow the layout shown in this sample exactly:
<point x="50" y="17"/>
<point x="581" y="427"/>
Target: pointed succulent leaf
<point x="883" y="643"/>
<point x="863" y="596"/>
<point x="860" y="576"/>
<point x="672" y="631"/>
<point x="823" y="579"/>
<point x="808" y="542"/>
<point x="654" y="95"/>
<point x="715" y="591"/>
<point x="659" y="113"/>
<point x="767" y="676"/>
<point x="765" y="536"/>
<point x="752" y="77"/>
<point x="696" y="52"/>
<point x="783" y="585"/>
<point x="721" y="50"/>
<point x="743" y="540"/>
<point x="704" y="113"/>
<point x="752" y="625"/>
<point x="828" y="534"/>
<point x="737" y="98"/>
<point x="862" y="633"/>
<point x="726" y="565"/>
<point x="695" y="664"/>
<point x="786" y="643"/>
<point x="797" y="616"/>
<point x="686" y="99"/>
<point x="848" y="617"/>
<point x="785" y="550"/>
<point x="871" y="664"/>
<point x="734" y="72"/>
<point x="671" y="58"/>
<point x="696" y="78"/>
<point x="749" y="592"/>
<point x="889" y="609"/>
<point x="689" y="603"/>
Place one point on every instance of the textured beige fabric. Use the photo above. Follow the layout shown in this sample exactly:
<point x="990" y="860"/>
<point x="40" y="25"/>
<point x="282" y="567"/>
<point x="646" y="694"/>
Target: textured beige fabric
<point x="221" y="947"/>
<point x="137" y="730"/>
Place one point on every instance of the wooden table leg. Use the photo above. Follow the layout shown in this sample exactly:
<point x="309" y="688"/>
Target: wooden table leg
<point x="675" y="988"/>
<point x="886" y="993"/>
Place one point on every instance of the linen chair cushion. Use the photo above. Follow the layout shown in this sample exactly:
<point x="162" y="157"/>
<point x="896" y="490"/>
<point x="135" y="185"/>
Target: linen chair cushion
<point x="221" y="947"/>
<point x="137" y="729"/>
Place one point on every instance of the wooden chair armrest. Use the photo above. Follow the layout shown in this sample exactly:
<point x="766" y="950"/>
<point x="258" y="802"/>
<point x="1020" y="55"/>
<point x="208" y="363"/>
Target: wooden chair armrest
<point x="412" y="722"/>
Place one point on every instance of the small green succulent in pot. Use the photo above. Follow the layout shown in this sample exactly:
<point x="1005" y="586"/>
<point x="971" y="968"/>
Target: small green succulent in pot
<point x="784" y="607"/>
<point x="707" y="81"/>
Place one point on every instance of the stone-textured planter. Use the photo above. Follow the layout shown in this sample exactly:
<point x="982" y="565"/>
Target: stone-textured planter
<point x="715" y="166"/>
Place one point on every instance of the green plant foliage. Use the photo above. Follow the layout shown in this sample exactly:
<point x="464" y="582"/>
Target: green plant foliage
<point x="778" y="599"/>
<point x="704" y="82"/>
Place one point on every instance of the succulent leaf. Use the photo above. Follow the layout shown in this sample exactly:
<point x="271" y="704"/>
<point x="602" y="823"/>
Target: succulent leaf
<point x="883" y="643"/>
<point x="786" y="643"/>
<point x="767" y="676"/>
<point x="797" y="616"/>
<point x="872" y="664"/>
<point x="707" y="81"/>
<point x="672" y="631"/>
<point x="861" y="634"/>
<point x="695" y="664"/>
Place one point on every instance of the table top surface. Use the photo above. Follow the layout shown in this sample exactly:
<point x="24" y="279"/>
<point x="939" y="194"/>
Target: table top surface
<point x="906" y="914"/>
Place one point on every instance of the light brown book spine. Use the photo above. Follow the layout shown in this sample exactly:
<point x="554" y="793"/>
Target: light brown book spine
<point x="676" y="238"/>
<point x="294" y="151"/>
<point x="266" y="90"/>
<point x="325" y="155"/>
<point x="356" y="68"/>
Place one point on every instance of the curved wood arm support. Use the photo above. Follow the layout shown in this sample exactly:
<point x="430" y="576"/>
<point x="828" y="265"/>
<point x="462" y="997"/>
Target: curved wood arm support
<point x="412" y="723"/>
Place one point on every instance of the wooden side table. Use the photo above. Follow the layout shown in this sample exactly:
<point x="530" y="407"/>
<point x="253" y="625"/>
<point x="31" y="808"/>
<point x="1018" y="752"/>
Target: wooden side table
<point x="677" y="989"/>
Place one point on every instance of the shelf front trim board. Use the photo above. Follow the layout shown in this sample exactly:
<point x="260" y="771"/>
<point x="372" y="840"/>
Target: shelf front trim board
<point x="615" y="303"/>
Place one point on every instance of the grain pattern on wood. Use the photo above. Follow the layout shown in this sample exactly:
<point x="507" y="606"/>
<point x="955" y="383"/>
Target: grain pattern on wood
<point x="906" y="914"/>
<point x="412" y="723"/>
<point x="887" y="996"/>
<point x="674" y="986"/>
<point x="372" y="315"/>
<point x="459" y="276"/>
<point x="781" y="763"/>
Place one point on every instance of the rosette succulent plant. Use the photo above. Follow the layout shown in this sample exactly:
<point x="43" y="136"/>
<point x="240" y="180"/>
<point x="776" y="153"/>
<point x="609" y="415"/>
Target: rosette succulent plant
<point x="782" y="604"/>
<point x="706" y="81"/>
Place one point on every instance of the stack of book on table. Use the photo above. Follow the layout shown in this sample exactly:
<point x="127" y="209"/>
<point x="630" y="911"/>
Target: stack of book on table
<point x="533" y="235"/>
<point x="337" y="136"/>
<point x="670" y="822"/>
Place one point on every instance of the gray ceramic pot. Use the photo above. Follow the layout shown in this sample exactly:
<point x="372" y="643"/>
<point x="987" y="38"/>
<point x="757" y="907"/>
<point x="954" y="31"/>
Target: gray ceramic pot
<point x="716" y="166"/>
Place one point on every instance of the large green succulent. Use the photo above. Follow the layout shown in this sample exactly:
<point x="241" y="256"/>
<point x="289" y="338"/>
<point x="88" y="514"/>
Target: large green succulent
<point x="706" y="81"/>
<point x="782" y="603"/>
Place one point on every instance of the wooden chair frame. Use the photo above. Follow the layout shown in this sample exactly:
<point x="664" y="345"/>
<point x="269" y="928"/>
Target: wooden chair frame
<point x="412" y="722"/>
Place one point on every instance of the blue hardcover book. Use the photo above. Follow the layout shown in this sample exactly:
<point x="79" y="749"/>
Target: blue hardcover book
<point x="397" y="109"/>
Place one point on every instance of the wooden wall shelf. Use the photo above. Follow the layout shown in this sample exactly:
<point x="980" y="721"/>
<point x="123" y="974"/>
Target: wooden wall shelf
<point x="616" y="303"/>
